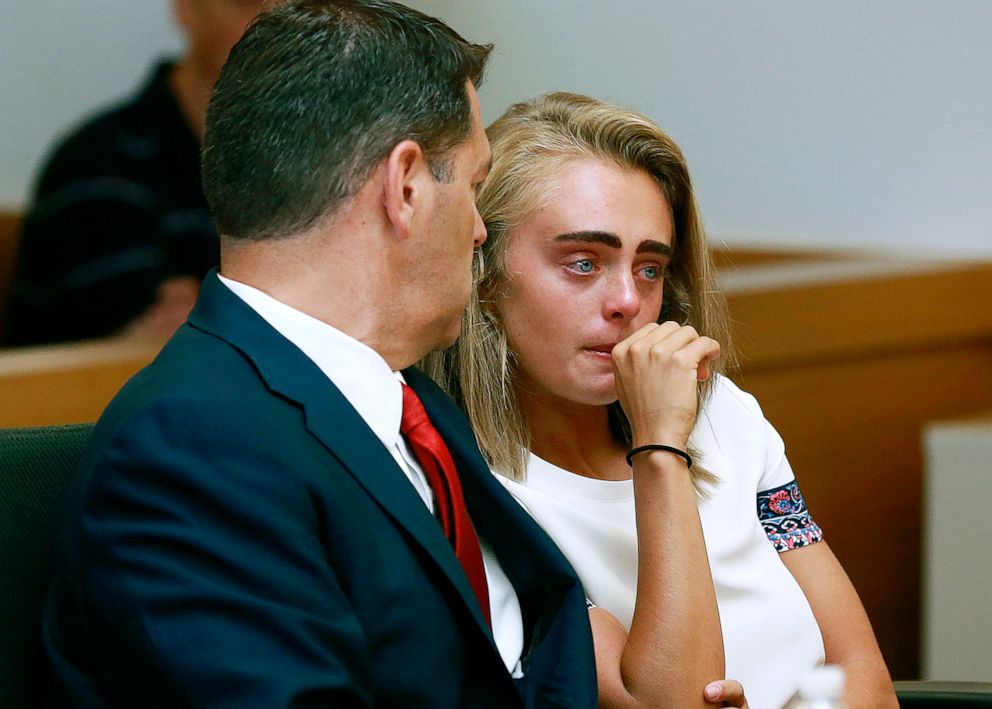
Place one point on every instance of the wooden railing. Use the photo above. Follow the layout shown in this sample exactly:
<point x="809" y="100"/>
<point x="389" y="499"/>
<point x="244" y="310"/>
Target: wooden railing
<point x="10" y="231"/>
<point x="70" y="383"/>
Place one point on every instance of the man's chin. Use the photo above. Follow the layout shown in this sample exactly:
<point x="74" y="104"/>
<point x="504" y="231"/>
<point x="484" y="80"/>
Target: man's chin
<point x="447" y="335"/>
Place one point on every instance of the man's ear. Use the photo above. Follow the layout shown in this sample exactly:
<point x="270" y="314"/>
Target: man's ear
<point x="405" y="188"/>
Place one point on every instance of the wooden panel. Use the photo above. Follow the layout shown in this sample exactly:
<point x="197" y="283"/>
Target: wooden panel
<point x="730" y="257"/>
<point x="70" y="383"/>
<point x="10" y="231"/>
<point x="816" y="313"/>
<point x="850" y="369"/>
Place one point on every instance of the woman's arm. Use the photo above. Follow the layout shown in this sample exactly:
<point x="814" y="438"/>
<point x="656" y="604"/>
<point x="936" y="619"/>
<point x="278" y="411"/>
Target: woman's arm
<point x="675" y="644"/>
<point x="610" y="637"/>
<point x="847" y="635"/>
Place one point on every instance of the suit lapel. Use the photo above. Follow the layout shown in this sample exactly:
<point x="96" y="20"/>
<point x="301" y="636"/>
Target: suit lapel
<point x="350" y="440"/>
<point x="558" y="654"/>
<point x="538" y="571"/>
<point x="331" y="419"/>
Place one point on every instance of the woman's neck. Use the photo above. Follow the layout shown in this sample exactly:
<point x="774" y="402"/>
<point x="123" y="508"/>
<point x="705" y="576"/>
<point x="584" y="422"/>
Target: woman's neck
<point x="574" y="437"/>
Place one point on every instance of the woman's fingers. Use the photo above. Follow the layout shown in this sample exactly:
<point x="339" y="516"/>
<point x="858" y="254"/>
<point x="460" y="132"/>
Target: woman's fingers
<point x="726" y="693"/>
<point x="656" y="372"/>
<point x="624" y="345"/>
<point x="658" y="345"/>
<point x="651" y="334"/>
<point x="702" y="351"/>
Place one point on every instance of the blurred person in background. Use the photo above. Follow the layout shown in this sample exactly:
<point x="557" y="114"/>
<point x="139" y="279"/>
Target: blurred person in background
<point x="118" y="234"/>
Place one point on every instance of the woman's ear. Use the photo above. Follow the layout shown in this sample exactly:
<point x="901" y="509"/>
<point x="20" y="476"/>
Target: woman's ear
<point x="405" y="188"/>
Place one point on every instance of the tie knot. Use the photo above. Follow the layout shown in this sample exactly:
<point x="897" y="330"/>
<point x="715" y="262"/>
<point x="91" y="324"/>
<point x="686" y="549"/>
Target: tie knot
<point x="414" y="413"/>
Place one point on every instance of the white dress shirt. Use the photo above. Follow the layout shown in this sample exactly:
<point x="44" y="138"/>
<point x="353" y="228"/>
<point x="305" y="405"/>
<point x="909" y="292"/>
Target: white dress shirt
<point x="374" y="390"/>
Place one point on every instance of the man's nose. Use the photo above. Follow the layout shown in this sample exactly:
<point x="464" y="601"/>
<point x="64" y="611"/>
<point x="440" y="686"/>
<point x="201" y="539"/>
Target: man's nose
<point x="479" y="236"/>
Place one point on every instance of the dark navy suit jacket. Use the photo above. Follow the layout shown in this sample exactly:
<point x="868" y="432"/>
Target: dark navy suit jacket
<point x="240" y="538"/>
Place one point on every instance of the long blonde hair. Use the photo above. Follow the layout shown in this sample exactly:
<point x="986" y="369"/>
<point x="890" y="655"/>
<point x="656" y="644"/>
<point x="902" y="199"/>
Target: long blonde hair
<point x="530" y="142"/>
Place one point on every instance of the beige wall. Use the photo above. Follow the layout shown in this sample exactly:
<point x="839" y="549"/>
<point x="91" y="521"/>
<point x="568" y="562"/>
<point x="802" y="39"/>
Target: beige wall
<point x="957" y="554"/>
<point x="806" y="123"/>
<point x="845" y="123"/>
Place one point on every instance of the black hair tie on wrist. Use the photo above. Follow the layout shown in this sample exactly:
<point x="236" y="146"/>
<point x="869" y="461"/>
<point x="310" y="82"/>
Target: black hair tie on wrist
<point x="658" y="447"/>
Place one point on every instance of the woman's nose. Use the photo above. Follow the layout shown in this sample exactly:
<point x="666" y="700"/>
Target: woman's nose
<point x="623" y="300"/>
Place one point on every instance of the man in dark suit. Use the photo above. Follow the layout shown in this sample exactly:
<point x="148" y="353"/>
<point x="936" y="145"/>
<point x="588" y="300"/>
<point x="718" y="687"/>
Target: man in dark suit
<point x="254" y="525"/>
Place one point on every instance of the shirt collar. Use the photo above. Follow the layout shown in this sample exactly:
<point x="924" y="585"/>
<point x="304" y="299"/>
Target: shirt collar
<point x="360" y="372"/>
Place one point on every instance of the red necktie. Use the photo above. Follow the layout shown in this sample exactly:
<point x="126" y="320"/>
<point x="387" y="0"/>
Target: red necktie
<point x="434" y="457"/>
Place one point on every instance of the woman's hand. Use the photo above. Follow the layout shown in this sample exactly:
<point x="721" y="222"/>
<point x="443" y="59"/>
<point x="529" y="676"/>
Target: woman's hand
<point x="656" y="371"/>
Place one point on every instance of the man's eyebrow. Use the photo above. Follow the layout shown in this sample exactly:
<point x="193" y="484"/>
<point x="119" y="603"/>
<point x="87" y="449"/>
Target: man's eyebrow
<point x="613" y="241"/>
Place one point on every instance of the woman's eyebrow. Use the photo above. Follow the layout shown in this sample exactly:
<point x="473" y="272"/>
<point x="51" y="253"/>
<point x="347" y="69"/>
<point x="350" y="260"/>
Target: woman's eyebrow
<point x="589" y="237"/>
<point x="650" y="246"/>
<point x="613" y="241"/>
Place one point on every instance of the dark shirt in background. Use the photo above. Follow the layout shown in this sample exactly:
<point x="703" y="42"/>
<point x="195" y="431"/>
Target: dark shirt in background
<point x="117" y="210"/>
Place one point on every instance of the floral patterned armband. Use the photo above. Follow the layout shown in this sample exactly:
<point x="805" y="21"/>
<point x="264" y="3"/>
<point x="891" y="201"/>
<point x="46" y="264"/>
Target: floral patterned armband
<point x="785" y="518"/>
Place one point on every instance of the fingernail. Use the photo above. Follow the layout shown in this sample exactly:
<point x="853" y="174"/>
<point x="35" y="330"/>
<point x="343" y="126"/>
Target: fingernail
<point x="712" y="691"/>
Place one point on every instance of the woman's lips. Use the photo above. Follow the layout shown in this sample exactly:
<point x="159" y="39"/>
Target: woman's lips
<point x="605" y="349"/>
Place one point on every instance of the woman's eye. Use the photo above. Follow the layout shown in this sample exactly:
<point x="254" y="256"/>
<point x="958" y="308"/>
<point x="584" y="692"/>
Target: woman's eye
<point x="652" y="272"/>
<point x="583" y="265"/>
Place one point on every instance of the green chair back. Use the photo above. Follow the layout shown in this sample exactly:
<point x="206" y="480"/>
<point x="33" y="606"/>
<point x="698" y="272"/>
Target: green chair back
<point x="37" y="467"/>
<point x="943" y="695"/>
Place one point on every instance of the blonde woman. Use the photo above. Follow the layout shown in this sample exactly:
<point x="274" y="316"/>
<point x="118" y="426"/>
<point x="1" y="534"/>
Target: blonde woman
<point x="590" y="366"/>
